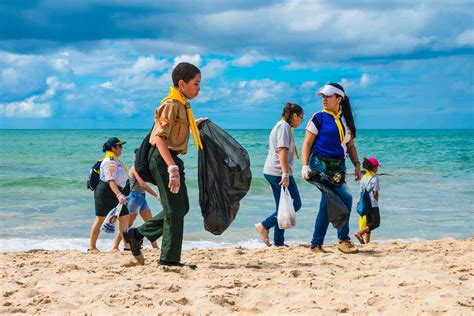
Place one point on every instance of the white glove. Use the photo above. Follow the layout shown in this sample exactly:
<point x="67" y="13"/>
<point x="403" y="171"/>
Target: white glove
<point x="285" y="180"/>
<point x="174" y="183"/>
<point x="305" y="172"/>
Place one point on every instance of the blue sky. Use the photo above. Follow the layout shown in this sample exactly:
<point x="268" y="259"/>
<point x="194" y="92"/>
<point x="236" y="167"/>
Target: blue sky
<point x="107" y="64"/>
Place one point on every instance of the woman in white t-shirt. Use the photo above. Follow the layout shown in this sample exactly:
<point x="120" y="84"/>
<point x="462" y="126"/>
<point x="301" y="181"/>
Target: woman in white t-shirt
<point x="278" y="169"/>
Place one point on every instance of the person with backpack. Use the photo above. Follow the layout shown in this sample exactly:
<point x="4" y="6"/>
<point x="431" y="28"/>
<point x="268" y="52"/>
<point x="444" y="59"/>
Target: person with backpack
<point x="369" y="185"/>
<point x="278" y="169"/>
<point x="169" y="138"/>
<point x="108" y="191"/>
<point x="328" y="141"/>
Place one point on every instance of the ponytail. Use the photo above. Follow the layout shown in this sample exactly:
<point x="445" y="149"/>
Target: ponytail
<point x="105" y="148"/>
<point x="289" y="110"/>
<point x="346" y="110"/>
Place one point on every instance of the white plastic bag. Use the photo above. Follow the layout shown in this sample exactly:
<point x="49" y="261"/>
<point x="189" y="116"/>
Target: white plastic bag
<point x="108" y="225"/>
<point x="286" y="211"/>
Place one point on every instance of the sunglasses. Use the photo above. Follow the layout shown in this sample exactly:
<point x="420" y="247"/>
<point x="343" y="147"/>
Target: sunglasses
<point x="119" y="146"/>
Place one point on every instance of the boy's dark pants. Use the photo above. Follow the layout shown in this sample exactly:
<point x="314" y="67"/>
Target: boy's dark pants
<point x="169" y="222"/>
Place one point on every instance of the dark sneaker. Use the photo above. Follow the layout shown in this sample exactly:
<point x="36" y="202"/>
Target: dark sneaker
<point x="135" y="244"/>
<point x="346" y="246"/>
<point x="177" y="264"/>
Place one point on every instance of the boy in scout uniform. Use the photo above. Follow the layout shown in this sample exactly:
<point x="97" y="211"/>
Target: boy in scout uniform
<point x="169" y="138"/>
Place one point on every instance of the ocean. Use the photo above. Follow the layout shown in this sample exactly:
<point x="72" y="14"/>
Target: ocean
<point x="427" y="188"/>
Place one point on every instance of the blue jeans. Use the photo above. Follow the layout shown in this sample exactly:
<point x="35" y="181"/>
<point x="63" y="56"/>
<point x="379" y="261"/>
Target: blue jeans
<point x="137" y="202"/>
<point x="322" y="220"/>
<point x="271" y="221"/>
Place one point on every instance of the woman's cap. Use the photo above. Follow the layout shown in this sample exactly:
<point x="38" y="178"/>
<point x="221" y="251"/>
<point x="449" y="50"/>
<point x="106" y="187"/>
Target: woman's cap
<point x="374" y="162"/>
<point x="114" y="141"/>
<point x="329" y="90"/>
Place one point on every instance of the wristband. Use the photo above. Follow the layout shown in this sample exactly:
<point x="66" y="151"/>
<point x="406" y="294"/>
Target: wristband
<point x="285" y="175"/>
<point x="357" y="163"/>
<point x="117" y="195"/>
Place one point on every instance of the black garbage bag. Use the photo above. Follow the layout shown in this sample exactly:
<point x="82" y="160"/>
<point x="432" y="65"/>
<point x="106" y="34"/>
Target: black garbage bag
<point x="224" y="177"/>
<point x="337" y="211"/>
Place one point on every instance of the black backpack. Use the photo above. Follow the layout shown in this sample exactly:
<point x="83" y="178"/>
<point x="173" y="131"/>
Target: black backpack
<point x="141" y="160"/>
<point x="94" y="176"/>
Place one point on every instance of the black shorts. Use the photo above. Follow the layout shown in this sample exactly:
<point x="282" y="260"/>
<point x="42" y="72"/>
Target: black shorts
<point x="105" y="200"/>
<point x="373" y="218"/>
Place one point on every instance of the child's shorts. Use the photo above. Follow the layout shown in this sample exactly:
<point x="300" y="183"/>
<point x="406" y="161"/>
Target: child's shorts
<point x="136" y="202"/>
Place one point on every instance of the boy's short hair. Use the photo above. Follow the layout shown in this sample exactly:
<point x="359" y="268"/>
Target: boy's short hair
<point x="184" y="71"/>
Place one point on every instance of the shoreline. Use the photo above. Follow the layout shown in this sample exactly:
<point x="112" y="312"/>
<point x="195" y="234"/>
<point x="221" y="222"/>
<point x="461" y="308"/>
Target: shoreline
<point x="105" y="244"/>
<point x="404" y="278"/>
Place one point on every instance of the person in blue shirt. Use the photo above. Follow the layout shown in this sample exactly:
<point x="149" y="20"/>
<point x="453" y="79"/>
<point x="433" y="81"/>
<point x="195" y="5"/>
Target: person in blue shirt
<point x="328" y="141"/>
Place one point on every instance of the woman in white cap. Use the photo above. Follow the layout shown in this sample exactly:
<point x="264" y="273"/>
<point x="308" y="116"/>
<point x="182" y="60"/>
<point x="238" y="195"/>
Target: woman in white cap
<point x="108" y="193"/>
<point x="329" y="140"/>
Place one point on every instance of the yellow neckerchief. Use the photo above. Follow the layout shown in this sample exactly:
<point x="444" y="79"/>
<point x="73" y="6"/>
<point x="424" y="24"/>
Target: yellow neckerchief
<point x="292" y="131"/>
<point x="111" y="154"/>
<point x="176" y="95"/>
<point x="369" y="174"/>
<point x="337" y="119"/>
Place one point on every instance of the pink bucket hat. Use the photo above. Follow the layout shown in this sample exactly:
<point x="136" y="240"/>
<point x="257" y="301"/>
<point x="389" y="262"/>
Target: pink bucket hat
<point x="374" y="162"/>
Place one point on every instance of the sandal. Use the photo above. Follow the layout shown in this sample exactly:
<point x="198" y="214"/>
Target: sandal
<point x="93" y="250"/>
<point x="359" y="238"/>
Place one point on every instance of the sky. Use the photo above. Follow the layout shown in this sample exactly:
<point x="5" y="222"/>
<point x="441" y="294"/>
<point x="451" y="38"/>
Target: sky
<point x="107" y="63"/>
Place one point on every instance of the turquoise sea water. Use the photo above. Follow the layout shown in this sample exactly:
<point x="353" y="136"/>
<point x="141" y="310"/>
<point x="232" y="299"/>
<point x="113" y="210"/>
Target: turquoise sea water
<point x="427" y="187"/>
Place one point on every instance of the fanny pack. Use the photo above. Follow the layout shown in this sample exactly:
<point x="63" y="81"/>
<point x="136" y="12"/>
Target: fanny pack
<point x="335" y="169"/>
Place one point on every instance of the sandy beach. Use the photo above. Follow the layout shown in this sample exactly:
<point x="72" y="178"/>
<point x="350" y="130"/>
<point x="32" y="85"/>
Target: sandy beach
<point x="433" y="277"/>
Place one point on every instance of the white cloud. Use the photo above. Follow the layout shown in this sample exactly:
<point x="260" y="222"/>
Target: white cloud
<point x="106" y="85"/>
<point x="365" y="80"/>
<point x="213" y="68"/>
<point x="192" y="59"/>
<point x="250" y="59"/>
<point x="255" y="92"/>
<point x="145" y="65"/>
<point x="36" y="106"/>
<point x="466" y="37"/>
<point x="309" y="84"/>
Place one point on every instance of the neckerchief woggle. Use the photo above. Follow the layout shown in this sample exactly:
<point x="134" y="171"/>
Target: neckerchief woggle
<point x="111" y="154"/>
<point x="176" y="95"/>
<point x="337" y="119"/>
<point x="292" y="131"/>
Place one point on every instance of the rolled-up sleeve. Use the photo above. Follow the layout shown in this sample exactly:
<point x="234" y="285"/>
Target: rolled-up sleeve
<point x="165" y="116"/>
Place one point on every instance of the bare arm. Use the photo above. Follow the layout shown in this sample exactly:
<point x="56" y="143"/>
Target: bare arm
<point x="114" y="187"/>
<point x="376" y="195"/>
<point x="309" y="139"/>
<point x="351" y="149"/>
<point x="283" y="156"/>
<point x="162" y="147"/>
<point x="142" y="183"/>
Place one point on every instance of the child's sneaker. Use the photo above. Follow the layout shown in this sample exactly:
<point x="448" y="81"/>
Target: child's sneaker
<point x="359" y="238"/>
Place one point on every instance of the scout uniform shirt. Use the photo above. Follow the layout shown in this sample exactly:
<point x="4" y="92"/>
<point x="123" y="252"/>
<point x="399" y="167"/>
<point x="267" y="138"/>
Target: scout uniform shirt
<point x="112" y="169"/>
<point x="171" y="122"/>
